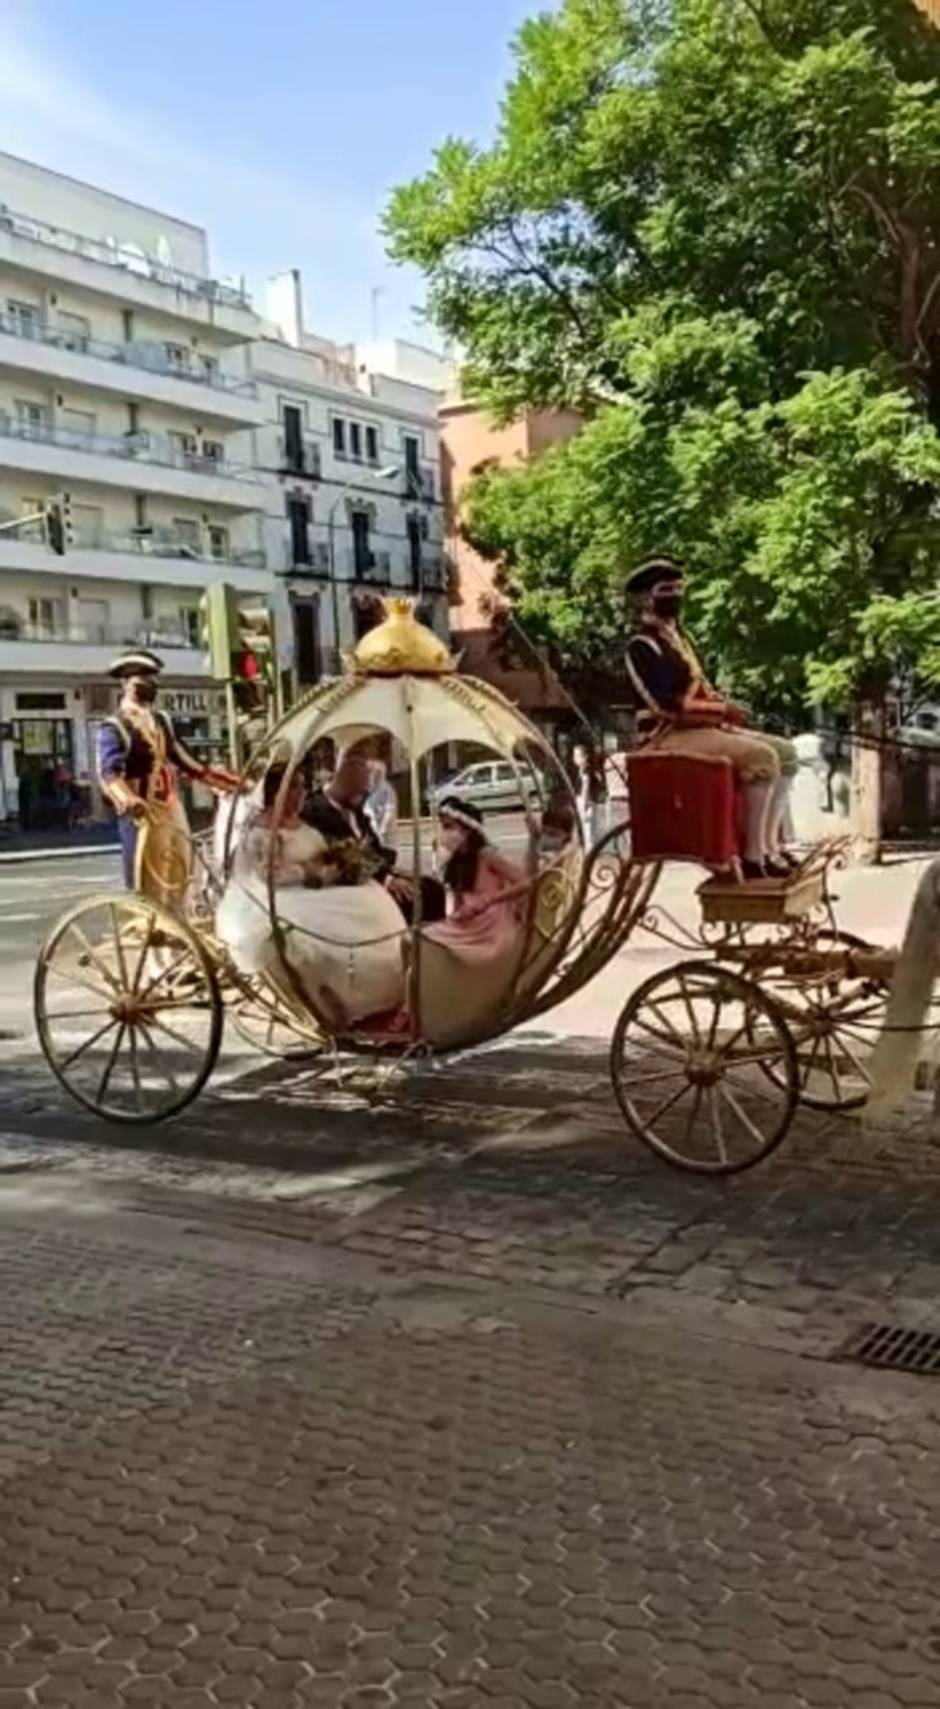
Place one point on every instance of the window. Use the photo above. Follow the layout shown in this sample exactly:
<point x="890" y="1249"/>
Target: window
<point x="187" y="533"/>
<point x="23" y="319"/>
<point x="293" y="438"/>
<point x="362" y="554"/>
<point x="307" y="640"/>
<point x="412" y="465"/>
<point x="183" y="446"/>
<point x="79" y="424"/>
<point x="355" y="441"/>
<point x="339" y="436"/>
<point x="93" y="620"/>
<point x="218" y="541"/>
<point x="414" y="549"/>
<point x="177" y="357"/>
<point x="74" y="330"/>
<point x="45" y="619"/>
<point x="33" y="420"/>
<point x="212" y="451"/>
<point x="372" y="444"/>
<point x="298" y="518"/>
<point x="189" y="625"/>
<point x="87" y="525"/>
<point x="210" y="367"/>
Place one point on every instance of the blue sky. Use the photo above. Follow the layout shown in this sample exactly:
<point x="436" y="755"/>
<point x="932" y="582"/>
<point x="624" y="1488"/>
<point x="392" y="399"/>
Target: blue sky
<point x="278" y="126"/>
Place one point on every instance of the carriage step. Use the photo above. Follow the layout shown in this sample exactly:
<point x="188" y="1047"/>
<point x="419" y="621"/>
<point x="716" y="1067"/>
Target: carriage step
<point x="767" y="901"/>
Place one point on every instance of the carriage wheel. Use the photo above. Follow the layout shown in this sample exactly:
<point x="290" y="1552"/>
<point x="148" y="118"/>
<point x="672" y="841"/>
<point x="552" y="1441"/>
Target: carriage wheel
<point x="834" y="1020"/>
<point x="690" y="1061"/>
<point x="127" y="1009"/>
<point x="263" y="1021"/>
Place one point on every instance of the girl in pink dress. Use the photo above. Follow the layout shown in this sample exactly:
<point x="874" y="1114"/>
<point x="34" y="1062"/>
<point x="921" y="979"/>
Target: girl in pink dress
<point x="485" y="891"/>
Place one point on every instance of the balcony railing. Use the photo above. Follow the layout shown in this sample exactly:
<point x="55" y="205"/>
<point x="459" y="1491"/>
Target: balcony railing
<point x="152" y="357"/>
<point x="154" y="543"/>
<point x="373" y="569"/>
<point x="301" y="459"/>
<point x="132" y="447"/>
<point x="97" y="635"/>
<point x="164" y="543"/>
<point x="124" y="256"/>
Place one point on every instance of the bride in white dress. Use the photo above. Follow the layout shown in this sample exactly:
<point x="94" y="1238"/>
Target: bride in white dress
<point x="343" y="941"/>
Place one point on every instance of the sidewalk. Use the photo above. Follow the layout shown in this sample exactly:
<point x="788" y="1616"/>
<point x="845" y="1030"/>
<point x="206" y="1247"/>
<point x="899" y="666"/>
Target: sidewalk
<point x="17" y="846"/>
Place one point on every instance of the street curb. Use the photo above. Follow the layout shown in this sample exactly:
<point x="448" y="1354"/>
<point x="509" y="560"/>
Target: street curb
<point x="17" y="857"/>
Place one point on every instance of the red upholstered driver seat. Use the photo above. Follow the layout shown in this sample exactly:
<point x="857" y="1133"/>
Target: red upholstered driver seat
<point x="684" y="809"/>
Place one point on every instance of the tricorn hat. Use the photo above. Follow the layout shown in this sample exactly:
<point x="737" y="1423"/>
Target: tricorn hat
<point x="661" y="571"/>
<point x="137" y="661"/>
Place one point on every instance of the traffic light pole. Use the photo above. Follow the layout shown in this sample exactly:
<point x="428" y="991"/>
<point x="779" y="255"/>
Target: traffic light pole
<point x="231" y="719"/>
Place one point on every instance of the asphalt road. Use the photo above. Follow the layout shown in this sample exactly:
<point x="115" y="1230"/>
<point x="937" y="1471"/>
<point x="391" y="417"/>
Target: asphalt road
<point x="33" y="894"/>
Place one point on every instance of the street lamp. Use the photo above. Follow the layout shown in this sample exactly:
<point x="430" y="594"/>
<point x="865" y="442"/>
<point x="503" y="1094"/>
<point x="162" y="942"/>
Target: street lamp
<point x="389" y="473"/>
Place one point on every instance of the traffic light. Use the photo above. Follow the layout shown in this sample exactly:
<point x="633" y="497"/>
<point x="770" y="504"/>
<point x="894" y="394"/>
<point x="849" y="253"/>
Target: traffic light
<point x="257" y="658"/>
<point x="58" y="526"/>
<point x="218" y="629"/>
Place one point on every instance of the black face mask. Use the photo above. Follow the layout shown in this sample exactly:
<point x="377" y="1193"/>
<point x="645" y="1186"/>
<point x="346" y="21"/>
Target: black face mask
<point x="144" y="691"/>
<point x="667" y="605"/>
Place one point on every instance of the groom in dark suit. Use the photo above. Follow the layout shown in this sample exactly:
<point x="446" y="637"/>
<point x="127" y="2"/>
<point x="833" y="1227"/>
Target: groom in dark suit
<point x="338" y="812"/>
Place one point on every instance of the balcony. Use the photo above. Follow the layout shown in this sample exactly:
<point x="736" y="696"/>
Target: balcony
<point x="128" y="370"/>
<point x="374" y="570"/>
<point x="135" y="461"/>
<point x="318" y="567"/>
<point x="158" y="556"/>
<point x="72" y="651"/>
<point x="125" y="272"/>
<point x="302" y="461"/>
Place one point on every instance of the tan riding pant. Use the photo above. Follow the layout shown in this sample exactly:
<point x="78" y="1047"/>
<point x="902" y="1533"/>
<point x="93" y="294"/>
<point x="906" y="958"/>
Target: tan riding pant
<point x="756" y="758"/>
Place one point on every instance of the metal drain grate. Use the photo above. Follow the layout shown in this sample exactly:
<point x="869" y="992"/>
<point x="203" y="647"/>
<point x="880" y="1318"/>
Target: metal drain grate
<point x="893" y="1348"/>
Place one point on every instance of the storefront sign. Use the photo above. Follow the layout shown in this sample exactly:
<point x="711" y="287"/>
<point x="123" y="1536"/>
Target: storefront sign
<point x="191" y="702"/>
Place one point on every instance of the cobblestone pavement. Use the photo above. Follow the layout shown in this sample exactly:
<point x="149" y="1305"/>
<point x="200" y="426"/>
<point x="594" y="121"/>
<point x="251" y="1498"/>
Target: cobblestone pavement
<point x="457" y="1398"/>
<point x="228" y="1480"/>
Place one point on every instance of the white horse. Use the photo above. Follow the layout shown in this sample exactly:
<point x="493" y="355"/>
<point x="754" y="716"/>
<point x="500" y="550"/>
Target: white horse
<point x="893" y="1065"/>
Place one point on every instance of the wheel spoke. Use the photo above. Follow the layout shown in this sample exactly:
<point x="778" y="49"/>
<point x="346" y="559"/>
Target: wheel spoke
<point x="742" y="1115"/>
<point x="88" y="1042"/>
<point x="806" y="1063"/>
<point x="141" y="959"/>
<point x="833" y="1067"/>
<point x="674" y="1037"/>
<point x="696" y="1106"/>
<point x="717" y="1124"/>
<point x="179" y="1038"/>
<point x="167" y="1072"/>
<point x="53" y="1015"/>
<point x="118" y="945"/>
<point x="646" y="1079"/>
<point x="109" y="1065"/>
<point x="754" y="1089"/>
<point x="842" y="1038"/>
<point x="76" y="979"/>
<point x="683" y="1089"/>
<point x="166" y="973"/>
<point x="672" y="1043"/>
<point x="693" y="1023"/>
<point x="94" y="957"/>
<point x="135" y="1067"/>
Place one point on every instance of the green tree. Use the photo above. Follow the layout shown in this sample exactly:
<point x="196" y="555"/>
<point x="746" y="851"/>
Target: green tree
<point x="711" y="226"/>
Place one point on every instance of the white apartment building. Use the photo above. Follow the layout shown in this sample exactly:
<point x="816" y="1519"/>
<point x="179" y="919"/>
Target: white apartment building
<point x="125" y="383"/>
<point x="350" y="451"/>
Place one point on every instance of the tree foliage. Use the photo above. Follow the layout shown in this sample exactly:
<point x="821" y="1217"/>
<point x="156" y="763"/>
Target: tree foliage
<point x="711" y="226"/>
